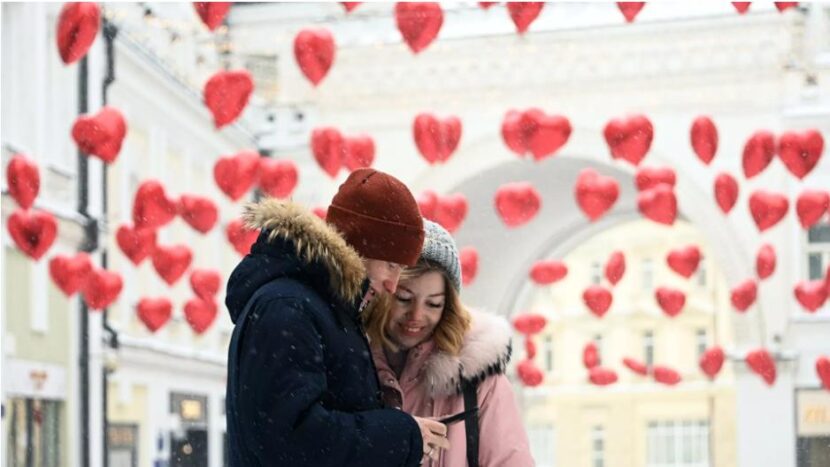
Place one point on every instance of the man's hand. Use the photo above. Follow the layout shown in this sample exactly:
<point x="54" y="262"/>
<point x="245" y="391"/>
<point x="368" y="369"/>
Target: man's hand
<point x="434" y="434"/>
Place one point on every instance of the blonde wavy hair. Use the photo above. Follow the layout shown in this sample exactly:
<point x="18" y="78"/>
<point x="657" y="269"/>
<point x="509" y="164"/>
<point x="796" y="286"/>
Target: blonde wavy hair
<point x="449" y="333"/>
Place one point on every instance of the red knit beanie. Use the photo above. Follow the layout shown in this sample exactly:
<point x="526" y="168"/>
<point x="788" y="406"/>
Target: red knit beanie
<point x="378" y="217"/>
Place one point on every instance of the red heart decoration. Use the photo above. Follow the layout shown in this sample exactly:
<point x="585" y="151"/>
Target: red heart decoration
<point x="535" y="132"/>
<point x="742" y="7"/>
<point x="151" y="207"/>
<point x="670" y="300"/>
<point x="436" y="139"/>
<point x="349" y="6"/>
<point x="517" y="203"/>
<point x="226" y="94"/>
<point x="486" y="5"/>
<point x="314" y="51"/>
<point x="704" y="136"/>
<point x="100" y="135"/>
<point x="615" y="267"/>
<point x="320" y="212"/>
<point x="419" y="23"/>
<point x="823" y="371"/>
<point x="767" y="208"/>
<point x="650" y="177"/>
<point x="765" y="261"/>
<point x="601" y="376"/>
<point x="450" y="211"/>
<point x="595" y="194"/>
<point x="241" y="237"/>
<point x="761" y="362"/>
<point x="548" y="272"/>
<point x="630" y="9"/>
<point x="666" y="375"/>
<point x="358" y="152"/>
<point x="328" y="148"/>
<point x="758" y="153"/>
<point x="78" y="24"/>
<point x="212" y="13"/>
<point x="524" y="13"/>
<point x="658" y="204"/>
<point x="530" y="348"/>
<point x="154" y="312"/>
<point x="278" y="178"/>
<point x="827" y="279"/>
<point x="101" y="288"/>
<point x="171" y="262"/>
<point x="800" y="152"/>
<point x="198" y="211"/>
<point x="629" y="138"/>
<point x="23" y="179"/>
<point x="70" y="272"/>
<point x="782" y="6"/>
<point x="236" y="174"/>
<point x="711" y="361"/>
<point x="136" y="244"/>
<point x="811" y="206"/>
<point x="744" y="295"/>
<point x="811" y="294"/>
<point x="205" y="283"/>
<point x="590" y="356"/>
<point x="529" y="373"/>
<point x="200" y="314"/>
<point x="529" y="323"/>
<point x="427" y="203"/>
<point x="598" y="299"/>
<point x="726" y="192"/>
<point x="469" y="265"/>
<point x="33" y="231"/>
<point x="635" y="366"/>
<point x="684" y="261"/>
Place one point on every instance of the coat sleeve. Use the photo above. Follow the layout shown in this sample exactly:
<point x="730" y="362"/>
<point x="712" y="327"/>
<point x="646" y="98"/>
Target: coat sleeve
<point x="502" y="437"/>
<point x="281" y="381"/>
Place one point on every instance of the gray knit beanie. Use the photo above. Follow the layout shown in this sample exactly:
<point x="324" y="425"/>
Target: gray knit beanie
<point x="439" y="247"/>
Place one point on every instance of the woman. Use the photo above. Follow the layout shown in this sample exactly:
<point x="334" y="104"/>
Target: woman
<point x="430" y="350"/>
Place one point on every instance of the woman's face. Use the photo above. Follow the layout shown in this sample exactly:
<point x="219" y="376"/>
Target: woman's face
<point x="416" y="309"/>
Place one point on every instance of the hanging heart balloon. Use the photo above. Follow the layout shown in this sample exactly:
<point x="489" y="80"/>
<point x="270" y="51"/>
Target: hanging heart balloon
<point x="154" y="312"/>
<point x="658" y="204"/>
<point x="152" y="208"/>
<point x="469" y="264"/>
<point x="212" y="14"/>
<point x="811" y="206"/>
<point x="800" y="152"/>
<point x="236" y="174"/>
<point x="23" y="180"/>
<point x="358" y="152"/>
<point x="101" y="288"/>
<point x="100" y="135"/>
<point x="744" y="295"/>
<point x="33" y="231"/>
<point x="532" y="131"/>
<point x="278" y="178"/>
<point x="136" y="244"/>
<point x="595" y="194"/>
<point x="418" y="23"/>
<point x="615" y="267"/>
<point x="598" y="299"/>
<point x="328" y="148"/>
<point x="450" y="211"/>
<point x="630" y="10"/>
<point x="823" y="371"/>
<point x="758" y="153"/>
<point x="811" y="294"/>
<point x="601" y="376"/>
<point x="671" y="300"/>
<point x="636" y="366"/>
<point x="517" y="203"/>
<point x="765" y="261"/>
<point x="704" y="135"/>
<point x="78" y="25"/>
<point x="590" y="356"/>
<point x="529" y="324"/>
<point x="171" y="262"/>
<point x="314" y="50"/>
<point x="666" y="375"/>
<point x="767" y="208"/>
<point x="70" y="272"/>
<point x="629" y="138"/>
<point x="529" y="373"/>
<point x="199" y="212"/>
<point x="548" y="272"/>
<point x="711" y="362"/>
<point x="726" y="191"/>
<point x="685" y="260"/>
<point x="742" y="7"/>
<point x="241" y="237"/>
<point x="761" y="362"/>
<point x="427" y="203"/>
<point x="524" y="14"/>
<point x="226" y="95"/>
<point x="650" y="177"/>
<point x="200" y="314"/>
<point x="436" y="139"/>
<point x="205" y="283"/>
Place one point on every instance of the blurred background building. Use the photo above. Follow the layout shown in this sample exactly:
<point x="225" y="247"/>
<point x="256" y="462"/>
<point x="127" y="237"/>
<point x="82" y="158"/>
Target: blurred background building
<point x="144" y="398"/>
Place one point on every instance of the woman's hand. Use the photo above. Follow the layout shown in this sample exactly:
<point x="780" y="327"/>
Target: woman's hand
<point x="434" y="434"/>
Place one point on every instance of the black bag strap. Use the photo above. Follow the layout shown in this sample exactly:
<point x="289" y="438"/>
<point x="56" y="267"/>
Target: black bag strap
<point x="471" y="422"/>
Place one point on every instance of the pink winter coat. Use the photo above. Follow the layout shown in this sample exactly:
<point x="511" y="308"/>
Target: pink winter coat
<point x="430" y="387"/>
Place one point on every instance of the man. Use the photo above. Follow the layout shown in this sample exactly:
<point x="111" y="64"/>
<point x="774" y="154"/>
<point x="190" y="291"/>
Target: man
<point x="302" y="387"/>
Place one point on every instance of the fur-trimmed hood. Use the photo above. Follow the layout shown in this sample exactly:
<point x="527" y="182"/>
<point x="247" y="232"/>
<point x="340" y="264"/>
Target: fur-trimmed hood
<point x="294" y="243"/>
<point x="486" y="351"/>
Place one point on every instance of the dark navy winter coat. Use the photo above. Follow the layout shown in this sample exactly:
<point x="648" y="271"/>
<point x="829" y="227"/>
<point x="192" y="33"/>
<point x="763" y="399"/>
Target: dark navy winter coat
<point x="302" y="388"/>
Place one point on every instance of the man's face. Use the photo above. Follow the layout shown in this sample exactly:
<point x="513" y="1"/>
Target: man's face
<point x="383" y="276"/>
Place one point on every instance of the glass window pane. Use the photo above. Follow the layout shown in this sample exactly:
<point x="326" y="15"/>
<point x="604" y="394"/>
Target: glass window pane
<point x="816" y="268"/>
<point x="819" y="233"/>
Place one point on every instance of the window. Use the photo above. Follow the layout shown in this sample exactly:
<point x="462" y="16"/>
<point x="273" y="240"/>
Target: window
<point x="818" y="250"/>
<point x="542" y="445"/>
<point x="678" y="444"/>
<point x="596" y="273"/>
<point x="597" y="447"/>
<point x="702" y="340"/>
<point x="647" y="274"/>
<point x="34" y="432"/>
<point x="548" y="352"/>
<point x="648" y="348"/>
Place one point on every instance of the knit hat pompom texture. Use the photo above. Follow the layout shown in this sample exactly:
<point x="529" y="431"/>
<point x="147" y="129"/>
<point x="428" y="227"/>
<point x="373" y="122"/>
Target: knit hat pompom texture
<point x="378" y="217"/>
<point x="440" y="248"/>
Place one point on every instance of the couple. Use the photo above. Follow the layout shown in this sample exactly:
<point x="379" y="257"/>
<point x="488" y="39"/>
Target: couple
<point x="303" y="388"/>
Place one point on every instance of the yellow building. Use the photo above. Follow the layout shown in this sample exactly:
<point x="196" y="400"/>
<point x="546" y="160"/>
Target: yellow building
<point x="635" y="421"/>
